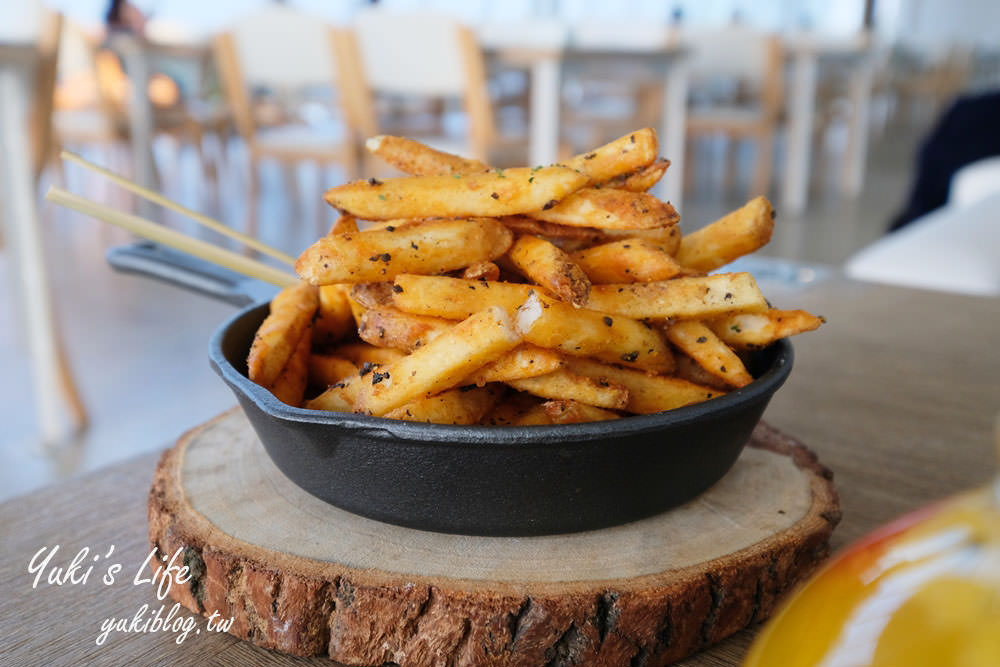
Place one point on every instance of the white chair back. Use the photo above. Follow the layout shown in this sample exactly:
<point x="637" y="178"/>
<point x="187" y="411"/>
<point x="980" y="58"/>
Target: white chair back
<point x="411" y="54"/>
<point x="734" y="51"/>
<point x="281" y="47"/>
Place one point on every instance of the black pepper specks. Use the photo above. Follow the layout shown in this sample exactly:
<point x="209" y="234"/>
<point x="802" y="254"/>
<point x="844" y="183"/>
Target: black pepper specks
<point x="374" y="182"/>
<point x="630" y="356"/>
<point x="608" y="320"/>
<point x="378" y="377"/>
<point x="366" y="368"/>
<point x="702" y="339"/>
<point x="398" y="289"/>
<point x="549" y="204"/>
<point x="495" y="195"/>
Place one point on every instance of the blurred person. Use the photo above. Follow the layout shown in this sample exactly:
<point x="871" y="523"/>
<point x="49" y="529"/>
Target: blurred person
<point x="966" y="133"/>
<point x="124" y="17"/>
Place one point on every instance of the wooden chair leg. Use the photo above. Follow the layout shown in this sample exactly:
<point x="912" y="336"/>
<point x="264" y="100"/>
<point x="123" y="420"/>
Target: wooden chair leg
<point x="70" y="392"/>
<point x="761" y="182"/>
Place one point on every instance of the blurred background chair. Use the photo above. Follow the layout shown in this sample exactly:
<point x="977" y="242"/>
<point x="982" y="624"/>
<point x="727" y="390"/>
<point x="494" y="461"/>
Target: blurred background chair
<point x="285" y="98"/>
<point x="438" y="92"/>
<point x="737" y="93"/>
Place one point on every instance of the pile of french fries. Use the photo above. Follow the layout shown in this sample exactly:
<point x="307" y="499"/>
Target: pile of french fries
<point x="525" y="296"/>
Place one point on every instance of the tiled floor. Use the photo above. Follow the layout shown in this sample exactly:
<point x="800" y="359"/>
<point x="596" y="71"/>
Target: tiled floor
<point x="138" y="348"/>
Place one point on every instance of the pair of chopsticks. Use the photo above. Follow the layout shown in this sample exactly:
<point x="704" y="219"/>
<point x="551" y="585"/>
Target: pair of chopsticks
<point x="160" y="234"/>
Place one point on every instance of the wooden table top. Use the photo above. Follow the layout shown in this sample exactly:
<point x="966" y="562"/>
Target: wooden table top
<point x="897" y="394"/>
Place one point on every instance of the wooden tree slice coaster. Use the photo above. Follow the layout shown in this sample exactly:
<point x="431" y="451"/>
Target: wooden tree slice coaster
<point x="306" y="578"/>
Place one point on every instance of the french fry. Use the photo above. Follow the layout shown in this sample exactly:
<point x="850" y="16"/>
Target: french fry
<point x="372" y="295"/>
<point x="699" y="342"/>
<point x="514" y="406"/>
<point x="490" y="194"/>
<point x="688" y="369"/>
<point x="291" y="313"/>
<point x="667" y="238"/>
<point x="327" y="369"/>
<point x="341" y="396"/>
<point x="334" y="319"/>
<point x="739" y="233"/>
<point x="428" y="247"/>
<point x="641" y="180"/>
<point x="586" y="333"/>
<point x="454" y="298"/>
<point x="646" y="393"/>
<point x="574" y="412"/>
<point x="360" y="354"/>
<point x="441" y="363"/>
<point x="608" y="208"/>
<point x="524" y="361"/>
<point x="290" y="386"/>
<point x="533" y="416"/>
<point x="681" y="298"/>
<point x="386" y="326"/>
<point x="482" y="271"/>
<point x="623" y="155"/>
<point x="465" y="405"/>
<point x="345" y="224"/>
<point x="756" y="330"/>
<point x="566" y="385"/>
<point x="629" y="261"/>
<point x="417" y="159"/>
<point x="551" y="268"/>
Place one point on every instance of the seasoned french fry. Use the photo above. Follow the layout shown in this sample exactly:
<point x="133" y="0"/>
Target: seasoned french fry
<point x="667" y="238"/>
<point x="576" y="238"/>
<point x="565" y="385"/>
<point x="327" y="369"/>
<point x="334" y="318"/>
<point x="755" y="330"/>
<point x="360" y="354"/>
<point x="623" y="155"/>
<point x="372" y="295"/>
<point x="341" y="396"/>
<point x="428" y="247"/>
<point x="739" y="233"/>
<point x="454" y="298"/>
<point x="629" y="261"/>
<point x="417" y="159"/>
<point x="291" y="313"/>
<point x="345" y="224"/>
<point x="574" y="412"/>
<point x="682" y="298"/>
<point x="491" y="194"/>
<point x="465" y="405"/>
<point x="290" y="386"/>
<point x="524" y="361"/>
<point x="586" y="333"/>
<point x="608" y="208"/>
<point x="551" y="268"/>
<point x="641" y="180"/>
<point x="533" y="416"/>
<point x="513" y="407"/>
<point x="441" y="363"/>
<point x="386" y="326"/>
<point x="698" y="342"/>
<point x="646" y="393"/>
<point x="482" y="271"/>
<point x="688" y="369"/>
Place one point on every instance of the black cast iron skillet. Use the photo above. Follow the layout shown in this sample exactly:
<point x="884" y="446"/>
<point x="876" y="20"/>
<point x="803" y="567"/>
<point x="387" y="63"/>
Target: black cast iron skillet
<point x="477" y="480"/>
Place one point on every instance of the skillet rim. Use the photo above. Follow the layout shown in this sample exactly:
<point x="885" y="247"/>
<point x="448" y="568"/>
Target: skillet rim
<point x="418" y="433"/>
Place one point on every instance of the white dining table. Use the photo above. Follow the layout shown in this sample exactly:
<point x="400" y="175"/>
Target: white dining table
<point x="553" y="52"/>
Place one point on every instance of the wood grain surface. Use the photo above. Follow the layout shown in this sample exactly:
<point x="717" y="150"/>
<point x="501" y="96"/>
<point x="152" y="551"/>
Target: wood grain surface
<point x="308" y="579"/>
<point x="897" y="395"/>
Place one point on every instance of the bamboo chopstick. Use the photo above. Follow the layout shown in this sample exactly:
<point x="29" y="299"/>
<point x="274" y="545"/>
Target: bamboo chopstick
<point x="201" y="219"/>
<point x="154" y="232"/>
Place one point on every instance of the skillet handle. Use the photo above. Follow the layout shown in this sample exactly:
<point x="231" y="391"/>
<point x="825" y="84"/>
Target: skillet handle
<point x="182" y="270"/>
